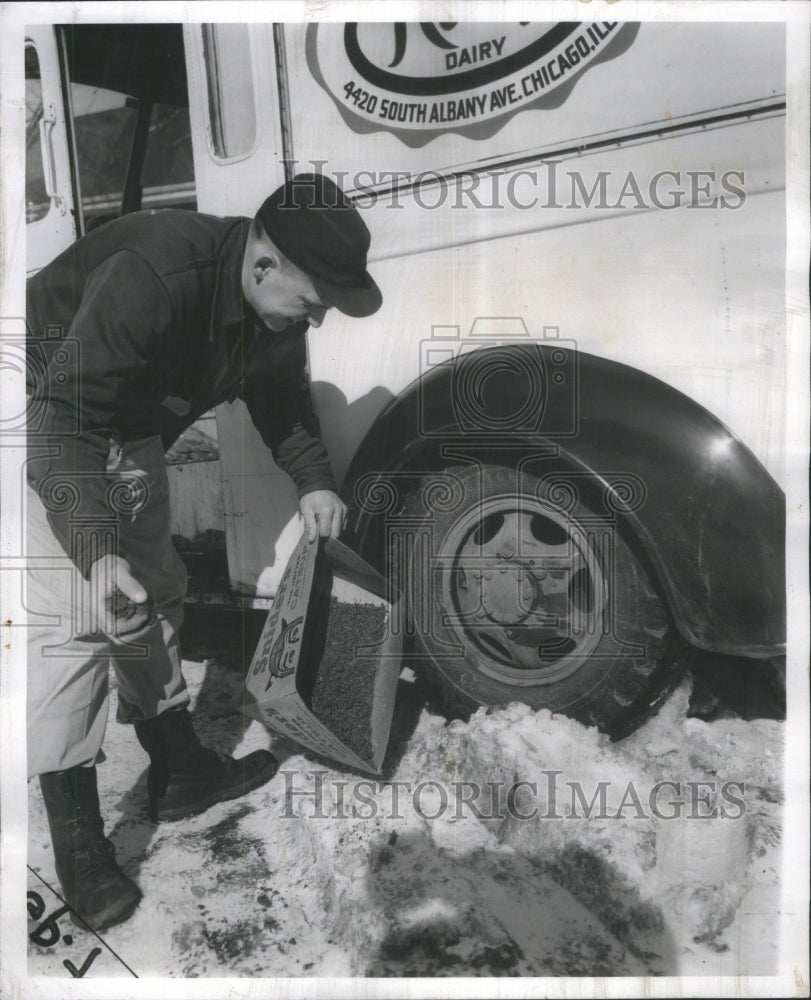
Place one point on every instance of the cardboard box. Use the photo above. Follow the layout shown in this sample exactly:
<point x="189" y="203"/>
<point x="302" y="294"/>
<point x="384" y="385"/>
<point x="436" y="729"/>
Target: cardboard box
<point x="284" y="669"/>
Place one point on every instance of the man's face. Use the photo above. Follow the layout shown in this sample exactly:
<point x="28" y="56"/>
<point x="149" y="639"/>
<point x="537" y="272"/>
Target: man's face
<point x="279" y="293"/>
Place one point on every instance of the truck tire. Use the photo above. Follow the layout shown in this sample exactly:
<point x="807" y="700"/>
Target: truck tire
<point x="534" y="592"/>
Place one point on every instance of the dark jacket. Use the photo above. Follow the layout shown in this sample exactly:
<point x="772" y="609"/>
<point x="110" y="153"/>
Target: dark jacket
<point x="136" y="330"/>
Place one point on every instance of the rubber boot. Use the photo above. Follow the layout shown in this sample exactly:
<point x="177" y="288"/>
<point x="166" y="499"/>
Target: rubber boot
<point x="185" y="778"/>
<point x="92" y="883"/>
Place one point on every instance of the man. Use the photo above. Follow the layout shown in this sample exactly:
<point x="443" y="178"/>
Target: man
<point x="135" y="331"/>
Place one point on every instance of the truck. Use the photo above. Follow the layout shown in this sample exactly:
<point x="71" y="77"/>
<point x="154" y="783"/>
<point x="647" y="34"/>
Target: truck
<point x="562" y="435"/>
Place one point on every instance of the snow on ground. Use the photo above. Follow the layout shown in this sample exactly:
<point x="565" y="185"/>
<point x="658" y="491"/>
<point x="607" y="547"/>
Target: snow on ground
<point x="499" y="859"/>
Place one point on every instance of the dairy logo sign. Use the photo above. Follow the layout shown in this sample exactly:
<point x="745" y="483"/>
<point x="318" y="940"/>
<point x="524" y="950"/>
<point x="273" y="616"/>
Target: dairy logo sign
<point x="419" y="80"/>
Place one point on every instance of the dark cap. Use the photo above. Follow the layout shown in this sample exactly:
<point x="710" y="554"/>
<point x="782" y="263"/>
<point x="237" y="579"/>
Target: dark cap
<point x="312" y="223"/>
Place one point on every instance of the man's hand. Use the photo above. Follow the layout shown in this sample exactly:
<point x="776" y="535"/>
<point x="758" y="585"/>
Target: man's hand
<point x="323" y="513"/>
<point x="108" y="574"/>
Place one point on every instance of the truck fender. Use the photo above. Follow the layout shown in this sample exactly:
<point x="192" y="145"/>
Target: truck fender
<point x="709" y="517"/>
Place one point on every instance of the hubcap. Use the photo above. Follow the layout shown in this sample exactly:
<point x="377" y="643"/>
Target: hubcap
<point x="522" y="589"/>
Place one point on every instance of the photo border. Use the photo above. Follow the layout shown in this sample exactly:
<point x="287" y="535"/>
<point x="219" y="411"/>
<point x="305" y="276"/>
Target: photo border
<point x="14" y="980"/>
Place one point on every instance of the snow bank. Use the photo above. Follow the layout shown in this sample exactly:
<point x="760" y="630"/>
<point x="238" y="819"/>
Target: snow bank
<point x="462" y="861"/>
<point x="648" y="847"/>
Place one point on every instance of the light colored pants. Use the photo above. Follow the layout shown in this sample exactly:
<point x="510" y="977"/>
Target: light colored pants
<point x="68" y="664"/>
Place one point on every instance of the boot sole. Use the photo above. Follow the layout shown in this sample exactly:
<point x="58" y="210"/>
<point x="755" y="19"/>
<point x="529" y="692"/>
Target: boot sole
<point x="108" y="917"/>
<point x="171" y="814"/>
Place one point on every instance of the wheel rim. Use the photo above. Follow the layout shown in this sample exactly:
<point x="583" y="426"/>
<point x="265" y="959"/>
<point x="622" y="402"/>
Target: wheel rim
<point x="522" y="589"/>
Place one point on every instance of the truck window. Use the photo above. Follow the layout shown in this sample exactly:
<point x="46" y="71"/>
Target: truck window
<point x="130" y="119"/>
<point x="36" y="198"/>
<point x="231" y="104"/>
<point x="168" y="171"/>
<point x="105" y="127"/>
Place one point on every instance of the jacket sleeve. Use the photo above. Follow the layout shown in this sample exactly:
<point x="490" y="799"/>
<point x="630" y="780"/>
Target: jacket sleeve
<point x="277" y="394"/>
<point x="124" y="310"/>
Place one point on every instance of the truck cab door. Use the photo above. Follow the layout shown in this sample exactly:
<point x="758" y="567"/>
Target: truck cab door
<point x="49" y="196"/>
<point x="238" y="160"/>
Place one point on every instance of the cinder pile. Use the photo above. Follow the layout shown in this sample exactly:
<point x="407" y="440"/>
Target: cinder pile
<point x="344" y="684"/>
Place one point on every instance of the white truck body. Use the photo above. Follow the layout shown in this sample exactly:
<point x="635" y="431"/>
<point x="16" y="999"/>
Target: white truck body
<point x="641" y="215"/>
